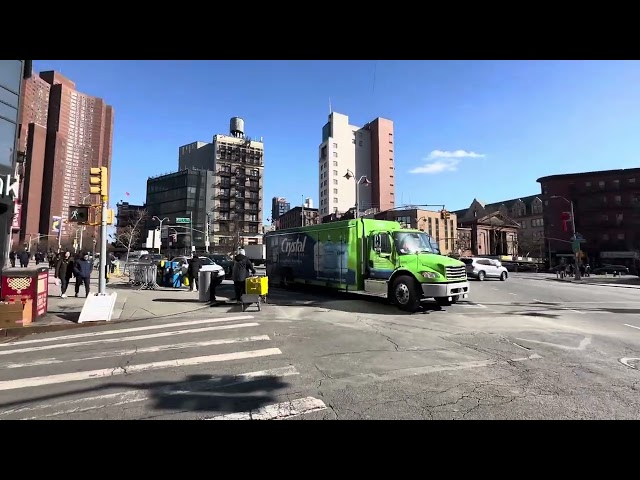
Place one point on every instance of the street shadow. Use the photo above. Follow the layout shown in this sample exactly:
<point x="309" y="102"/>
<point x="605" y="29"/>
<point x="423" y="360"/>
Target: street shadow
<point x="69" y="316"/>
<point x="177" y="300"/>
<point x="196" y="393"/>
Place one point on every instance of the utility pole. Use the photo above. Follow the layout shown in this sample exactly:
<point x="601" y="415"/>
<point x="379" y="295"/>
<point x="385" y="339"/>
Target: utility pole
<point x="206" y="235"/>
<point x="60" y="232"/>
<point x="99" y="185"/>
<point x="191" y="231"/>
<point x="302" y="212"/>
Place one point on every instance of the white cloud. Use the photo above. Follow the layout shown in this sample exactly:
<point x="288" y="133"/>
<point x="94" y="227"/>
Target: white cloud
<point x="454" y="154"/>
<point x="444" y="161"/>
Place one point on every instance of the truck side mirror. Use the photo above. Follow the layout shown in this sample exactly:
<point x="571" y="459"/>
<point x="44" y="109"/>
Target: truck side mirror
<point x="376" y="243"/>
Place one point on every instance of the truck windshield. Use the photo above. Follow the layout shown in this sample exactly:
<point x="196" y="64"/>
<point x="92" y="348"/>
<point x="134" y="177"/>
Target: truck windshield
<point x="410" y="243"/>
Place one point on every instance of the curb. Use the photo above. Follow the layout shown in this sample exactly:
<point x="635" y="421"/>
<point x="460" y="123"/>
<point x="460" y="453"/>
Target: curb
<point x="18" y="332"/>
<point x="582" y="282"/>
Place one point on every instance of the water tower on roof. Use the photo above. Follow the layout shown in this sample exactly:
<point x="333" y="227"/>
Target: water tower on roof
<point x="236" y="127"/>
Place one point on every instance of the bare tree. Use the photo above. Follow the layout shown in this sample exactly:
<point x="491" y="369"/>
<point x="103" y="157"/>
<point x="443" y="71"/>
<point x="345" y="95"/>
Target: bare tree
<point x="529" y="246"/>
<point x="128" y="235"/>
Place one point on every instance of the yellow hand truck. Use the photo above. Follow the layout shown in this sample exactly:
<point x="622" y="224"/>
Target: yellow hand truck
<point x="257" y="289"/>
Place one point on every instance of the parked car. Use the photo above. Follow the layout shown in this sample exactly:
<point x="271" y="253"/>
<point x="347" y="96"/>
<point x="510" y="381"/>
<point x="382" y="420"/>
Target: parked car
<point x="611" y="270"/>
<point x="224" y="261"/>
<point x="206" y="262"/>
<point x="481" y="268"/>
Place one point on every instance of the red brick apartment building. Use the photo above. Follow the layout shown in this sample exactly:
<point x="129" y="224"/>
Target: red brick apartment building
<point x="607" y="214"/>
<point x="64" y="133"/>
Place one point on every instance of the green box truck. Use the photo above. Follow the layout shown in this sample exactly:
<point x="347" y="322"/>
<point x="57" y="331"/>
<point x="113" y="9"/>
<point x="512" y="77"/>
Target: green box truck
<point x="369" y="257"/>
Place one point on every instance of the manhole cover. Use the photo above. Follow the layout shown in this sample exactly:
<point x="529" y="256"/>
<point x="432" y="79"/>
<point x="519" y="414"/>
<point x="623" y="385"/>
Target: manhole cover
<point x="631" y="362"/>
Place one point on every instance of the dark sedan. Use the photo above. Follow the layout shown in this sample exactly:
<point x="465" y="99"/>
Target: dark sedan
<point x="224" y="261"/>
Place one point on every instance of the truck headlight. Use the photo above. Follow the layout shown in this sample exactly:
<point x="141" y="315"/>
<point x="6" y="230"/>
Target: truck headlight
<point x="430" y="275"/>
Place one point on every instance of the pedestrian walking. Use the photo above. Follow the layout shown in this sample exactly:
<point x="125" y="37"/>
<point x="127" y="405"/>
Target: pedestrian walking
<point x="64" y="272"/>
<point x="241" y="266"/>
<point x="82" y="269"/>
<point x="24" y="257"/>
<point x="193" y="270"/>
<point x="12" y="258"/>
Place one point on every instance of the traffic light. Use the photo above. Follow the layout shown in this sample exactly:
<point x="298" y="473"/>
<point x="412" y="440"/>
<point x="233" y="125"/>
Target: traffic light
<point x="110" y="216"/>
<point x="99" y="182"/>
<point x="78" y="214"/>
<point x="444" y="214"/>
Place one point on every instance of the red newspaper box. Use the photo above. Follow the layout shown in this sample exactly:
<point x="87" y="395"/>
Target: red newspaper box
<point x="29" y="286"/>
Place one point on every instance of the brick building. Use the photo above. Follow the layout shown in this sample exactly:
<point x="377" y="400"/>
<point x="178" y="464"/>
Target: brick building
<point x="443" y="231"/>
<point x="64" y="133"/>
<point x="294" y="218"/>
<point x="527" y="212"/>
<point x="607" y="214"/>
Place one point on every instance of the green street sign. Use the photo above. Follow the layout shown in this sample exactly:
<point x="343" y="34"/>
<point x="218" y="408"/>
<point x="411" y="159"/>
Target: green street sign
<point x="183" y="220"/>
<point x="575" y="246"/>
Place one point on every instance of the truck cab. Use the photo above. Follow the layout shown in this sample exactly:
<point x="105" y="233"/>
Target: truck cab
<point x="406" y="266"/>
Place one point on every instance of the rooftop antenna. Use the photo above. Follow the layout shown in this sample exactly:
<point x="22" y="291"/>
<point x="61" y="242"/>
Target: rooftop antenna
<point x="330" y="109"/>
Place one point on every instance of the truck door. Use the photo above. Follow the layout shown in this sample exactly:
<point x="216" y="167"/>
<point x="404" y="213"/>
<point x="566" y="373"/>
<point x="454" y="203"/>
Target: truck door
<point x="381" y="265"/>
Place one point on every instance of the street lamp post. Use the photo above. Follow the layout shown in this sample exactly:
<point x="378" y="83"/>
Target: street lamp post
<point x="573" y="229"/>
<point x="160" y="221"/>
<point x="362" y="180"/>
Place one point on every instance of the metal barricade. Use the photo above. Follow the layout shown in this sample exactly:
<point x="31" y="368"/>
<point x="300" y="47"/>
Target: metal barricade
<point x="143" y="275"/>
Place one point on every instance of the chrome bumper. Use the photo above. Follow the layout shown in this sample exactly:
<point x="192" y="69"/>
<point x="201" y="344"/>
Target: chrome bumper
<point x="433" y="290"/>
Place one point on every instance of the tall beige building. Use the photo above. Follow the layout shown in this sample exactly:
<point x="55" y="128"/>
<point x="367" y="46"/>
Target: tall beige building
<point x="367" y="151"/>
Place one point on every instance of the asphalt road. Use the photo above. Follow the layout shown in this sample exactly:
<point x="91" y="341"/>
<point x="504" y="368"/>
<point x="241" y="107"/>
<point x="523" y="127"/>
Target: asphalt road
<point x="527" y="348"/>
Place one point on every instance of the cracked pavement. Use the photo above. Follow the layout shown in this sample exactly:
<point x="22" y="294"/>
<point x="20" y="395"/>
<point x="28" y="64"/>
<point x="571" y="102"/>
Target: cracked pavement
<point x="522" y="349"/>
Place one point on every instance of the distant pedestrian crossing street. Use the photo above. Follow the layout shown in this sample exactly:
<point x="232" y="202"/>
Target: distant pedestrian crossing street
<point x="223" y="368"/>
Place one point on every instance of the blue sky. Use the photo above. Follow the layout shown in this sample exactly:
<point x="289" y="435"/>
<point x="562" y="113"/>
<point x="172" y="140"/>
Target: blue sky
<point x="520" y="119"/>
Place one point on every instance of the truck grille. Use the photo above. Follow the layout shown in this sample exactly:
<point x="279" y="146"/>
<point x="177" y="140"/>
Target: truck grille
<point x="456" y="273"/>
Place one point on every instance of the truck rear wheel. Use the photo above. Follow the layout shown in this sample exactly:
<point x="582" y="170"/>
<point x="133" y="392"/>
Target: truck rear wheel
<point x="404" y="294"/>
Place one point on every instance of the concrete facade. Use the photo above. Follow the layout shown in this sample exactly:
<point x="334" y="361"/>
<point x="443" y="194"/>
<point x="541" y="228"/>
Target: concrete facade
<point x="298" y="217"/>
<point x="361" y="151"/>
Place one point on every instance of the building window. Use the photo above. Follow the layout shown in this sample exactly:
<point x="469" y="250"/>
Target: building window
<point x="335" y="164"/>
<point x="601" y="184"/>
<point x="621" y="236"/>
<point x="617" y="200"/>
<point x="616" y="183"/>
<point x="632" y="180"/>
<point x="360" y="143"/>
<point x="335" y="154"/>
<point x="335" y="191"/>
<point x="335" y="145"/>
<point x="523" y="224"/>
<point x="335" y="181"/>
<point x="587" y="184"/>
<point x="335" y="172"/>
<point x="404" y="220"/>
<point x="605" y="236"/>
<point x="335" y="200"/>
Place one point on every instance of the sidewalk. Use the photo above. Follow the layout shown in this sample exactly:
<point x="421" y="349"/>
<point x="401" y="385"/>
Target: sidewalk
<point x="131" y="304"/>
<point x="627" y="281"/>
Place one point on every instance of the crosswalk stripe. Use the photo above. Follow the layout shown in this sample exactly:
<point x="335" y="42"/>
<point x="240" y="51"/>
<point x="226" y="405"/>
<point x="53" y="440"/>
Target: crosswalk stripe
<point x="132" y="351"/>
<point x="110" y="372"/>
<point x="68" y="407"/>
<point x="277" y="411"/>
<point x="128" y="339"/>
<point x="128" y="330"/>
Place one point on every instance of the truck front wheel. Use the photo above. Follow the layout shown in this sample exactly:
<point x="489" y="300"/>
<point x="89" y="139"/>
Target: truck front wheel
<point x="404" y="293"/>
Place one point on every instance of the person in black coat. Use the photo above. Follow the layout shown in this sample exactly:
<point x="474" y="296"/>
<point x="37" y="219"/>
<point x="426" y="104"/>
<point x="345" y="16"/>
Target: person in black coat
<point x="241" y="266"/>
<point x="192" y="272"/>
<point x="82" y="268"/>
<point x="64" y="272"/>
<point x="24" y="257"/>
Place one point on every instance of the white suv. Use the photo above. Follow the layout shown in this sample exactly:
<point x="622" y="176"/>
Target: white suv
<point x="482" y="268"/>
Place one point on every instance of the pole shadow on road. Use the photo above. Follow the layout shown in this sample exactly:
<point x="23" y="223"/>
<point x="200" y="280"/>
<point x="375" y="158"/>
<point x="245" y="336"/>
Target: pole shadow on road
<point x="197" y="393"/>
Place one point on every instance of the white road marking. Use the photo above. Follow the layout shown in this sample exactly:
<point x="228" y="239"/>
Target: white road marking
<point x="130" y="330"/>
<point x="112" y="372"/>
<point x="129" y="339"/>
<point x="154" y="349"/>
<point x="583" y="344"/>
<point x="574" y="311"/>
<point x="365" y="378"/>
<point x="632" y="326"/>
<point x="539" y="301"/>
<point x="512" y="293"/>
<point x="625" y="361"/>
<point x="127" y="397"/>
<point x="277" y="411"/>
<point x="473" y="305"/>
<point x="533" y="356"/>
